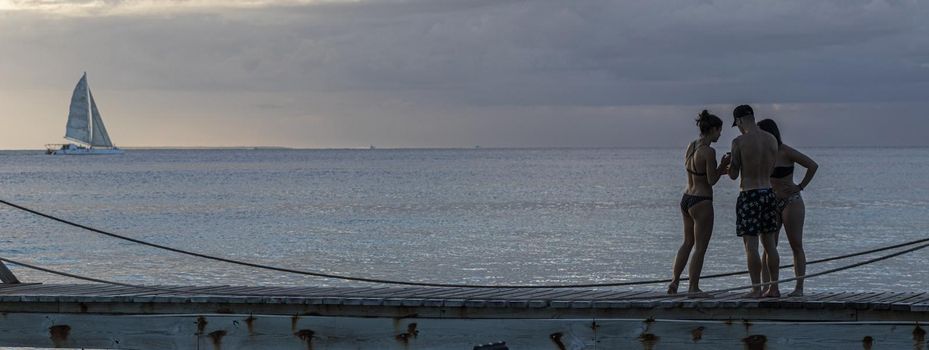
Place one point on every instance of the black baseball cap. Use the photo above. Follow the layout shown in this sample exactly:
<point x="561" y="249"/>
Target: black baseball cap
<point x="741" y="111"/>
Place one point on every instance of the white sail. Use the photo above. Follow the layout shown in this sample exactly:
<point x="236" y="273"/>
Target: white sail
<point x="85" y="126"/>
<point x="79" y="116"/>
<point x="100" y="137"/>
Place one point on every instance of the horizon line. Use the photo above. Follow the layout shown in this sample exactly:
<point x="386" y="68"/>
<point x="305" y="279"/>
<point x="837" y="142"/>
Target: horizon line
<point x="476" y="147"/>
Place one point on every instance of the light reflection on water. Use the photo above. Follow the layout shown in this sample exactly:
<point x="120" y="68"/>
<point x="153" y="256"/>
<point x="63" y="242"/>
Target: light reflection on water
<point x="457" y="216"/>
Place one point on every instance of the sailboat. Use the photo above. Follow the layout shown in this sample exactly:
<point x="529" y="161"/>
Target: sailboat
<point x="85" y="127"/>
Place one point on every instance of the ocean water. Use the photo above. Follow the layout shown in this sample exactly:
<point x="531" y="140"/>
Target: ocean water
<point x="488" y="216"/>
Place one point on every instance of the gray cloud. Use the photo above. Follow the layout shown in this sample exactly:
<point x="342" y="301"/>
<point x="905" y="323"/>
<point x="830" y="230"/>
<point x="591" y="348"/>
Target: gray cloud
<point x="508" y="73"/>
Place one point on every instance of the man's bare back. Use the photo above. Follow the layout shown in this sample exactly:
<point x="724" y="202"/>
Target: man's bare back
<point x="753" y="157"/>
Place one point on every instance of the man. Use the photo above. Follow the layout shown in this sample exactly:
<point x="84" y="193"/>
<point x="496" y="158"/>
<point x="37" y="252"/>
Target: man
<point x="753" y="157"/>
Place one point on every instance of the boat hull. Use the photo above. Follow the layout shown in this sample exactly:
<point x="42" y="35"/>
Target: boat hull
<point x="87" y="152"/>
<point x="72" y="150"/>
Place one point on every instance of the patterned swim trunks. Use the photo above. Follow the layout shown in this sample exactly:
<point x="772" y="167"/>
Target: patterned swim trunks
<point x="756" y="213"/>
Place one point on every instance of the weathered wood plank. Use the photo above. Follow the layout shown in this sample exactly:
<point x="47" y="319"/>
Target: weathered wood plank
<point x="21" y="288"/>
<point x="106" y="290"/>
<point x="860" y="296"/>
<point x="526" y="294"/>
<point x="850" y="296"/>
<point x="427" y="292"/>
<point x="622" y="302"/>
<point x="582" y="295"/>
<point x="831" y="300"/>
<point x="888" y="303"/>
<point x="921" y="301"/>
<point x="133" y="292"/>
<point x="905" y="298"/>
<point x="886" y="296"/>
<point x="907" y="304"/>
<point x="465" y="292"/>
<point x="243" y="291"/>
<point x="731" y="296"/>
<point x="817" y="301"/>
<point x="193" y="292"/>
<point x="5" y="286"/>
<point x="39" y="289"/>
<point x="372" y="293"/>
<point x="511" y="294"/>
<point x="556" y="294"/>
<point x="572" y="301"/>
<point x="883" y="303"/>
<point x="287" y="292"/>
<point x="608" y="294"/>
<point x="252" y="290"/>
<point x="347" y="291"/>
<point x="490" y="293"/>
<point x="387" y="292"/>
<point x="841" y="302"/>
<point x="864" y="302"/>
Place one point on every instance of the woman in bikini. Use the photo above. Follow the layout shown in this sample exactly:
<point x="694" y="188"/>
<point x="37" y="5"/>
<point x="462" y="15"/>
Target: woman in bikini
<point x="697" y="203"/>
<point x="789" y="201"/>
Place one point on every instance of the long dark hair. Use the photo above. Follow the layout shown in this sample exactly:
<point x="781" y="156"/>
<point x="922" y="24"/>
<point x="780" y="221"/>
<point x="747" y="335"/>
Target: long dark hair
<point x="771" y="127"/>
<point x="708" y="121"/>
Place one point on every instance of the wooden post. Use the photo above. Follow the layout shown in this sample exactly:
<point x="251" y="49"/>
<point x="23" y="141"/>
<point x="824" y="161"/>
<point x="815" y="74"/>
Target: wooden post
<point x="6" y="275"/>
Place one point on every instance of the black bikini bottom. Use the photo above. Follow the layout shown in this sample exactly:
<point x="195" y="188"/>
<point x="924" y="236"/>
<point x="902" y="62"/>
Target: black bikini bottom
<point x="689" y="201"/>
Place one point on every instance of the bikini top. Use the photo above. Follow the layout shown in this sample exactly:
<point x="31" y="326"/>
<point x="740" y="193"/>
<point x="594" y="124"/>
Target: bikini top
<point x="693" y="172"/>
<point x="782" y="171"/>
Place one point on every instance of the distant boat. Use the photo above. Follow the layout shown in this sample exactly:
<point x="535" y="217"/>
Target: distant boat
<point x="85" y="127"/>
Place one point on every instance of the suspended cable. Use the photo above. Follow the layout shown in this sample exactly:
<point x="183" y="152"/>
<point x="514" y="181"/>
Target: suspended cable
<point x="410" y="283"/>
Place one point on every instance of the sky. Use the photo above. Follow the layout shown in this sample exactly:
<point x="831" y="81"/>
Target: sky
<point x="462" y="73"/>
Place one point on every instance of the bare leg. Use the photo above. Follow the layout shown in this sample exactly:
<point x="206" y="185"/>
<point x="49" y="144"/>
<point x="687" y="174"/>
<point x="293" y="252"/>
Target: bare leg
<point x="794" y="217"/>
<point x="765" y="274"/>
<point x="680" y="261"/>
<point x="769" y="243"/>
<point x="754" y="263"/>
<point x="703" y="231"/>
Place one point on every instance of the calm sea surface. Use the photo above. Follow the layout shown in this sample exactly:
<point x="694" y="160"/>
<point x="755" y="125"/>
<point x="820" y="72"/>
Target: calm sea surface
<point x="458" y="216"/>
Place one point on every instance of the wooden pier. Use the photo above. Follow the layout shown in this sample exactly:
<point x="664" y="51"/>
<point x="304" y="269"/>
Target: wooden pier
<point x="229" y="317"/>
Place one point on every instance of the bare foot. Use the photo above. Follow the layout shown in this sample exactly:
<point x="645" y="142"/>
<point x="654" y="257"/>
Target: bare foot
<point x="772" y="293"/>
<point x="755" y="294"/>
<point x="796" y="293"/>
<point x="672" y="288"/>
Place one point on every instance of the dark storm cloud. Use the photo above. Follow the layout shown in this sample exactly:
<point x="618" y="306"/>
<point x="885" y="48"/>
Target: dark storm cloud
<point x="522" y="71"/>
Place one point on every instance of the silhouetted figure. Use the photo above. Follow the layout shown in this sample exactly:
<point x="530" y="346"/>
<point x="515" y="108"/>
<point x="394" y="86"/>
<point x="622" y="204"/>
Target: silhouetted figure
<point x="753" y="156"/>
<point x="697" y="202"/>
<point x="790" y="204"/>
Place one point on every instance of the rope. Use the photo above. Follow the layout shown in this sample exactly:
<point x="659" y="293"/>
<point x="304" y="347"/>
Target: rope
<point x="91" y="279"/>
<point x="808" y="263"/>
<point x="137" y="286"/>
<point x="821" y="273"/>
<point x="418" y="284"/>
<point x="651" y="297"/>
